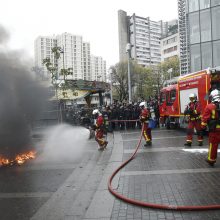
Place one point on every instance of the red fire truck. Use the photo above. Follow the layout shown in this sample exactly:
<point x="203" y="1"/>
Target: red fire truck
<point x="174" y="98"/>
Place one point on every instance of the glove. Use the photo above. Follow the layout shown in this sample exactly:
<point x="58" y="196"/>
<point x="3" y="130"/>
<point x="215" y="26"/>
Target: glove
<point x="188" y="112"/>
<point x="93" y="127"/>
<point x="142" y="120"/>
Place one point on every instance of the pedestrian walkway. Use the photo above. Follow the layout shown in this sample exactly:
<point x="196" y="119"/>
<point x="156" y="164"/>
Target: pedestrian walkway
<point x="166" y="173"/>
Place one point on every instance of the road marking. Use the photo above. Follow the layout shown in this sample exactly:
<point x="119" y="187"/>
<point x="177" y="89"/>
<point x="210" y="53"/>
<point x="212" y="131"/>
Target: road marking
<point x="165" y="149"/>
<point x="171" y="137"/>
<point x="25" y="195"/>
<point x="138" y="132"/>
<point x="161" y="172"/>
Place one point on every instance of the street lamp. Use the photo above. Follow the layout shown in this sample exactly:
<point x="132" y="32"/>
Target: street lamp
<point x="110" y="72"/>
<point x="128" y="51"/>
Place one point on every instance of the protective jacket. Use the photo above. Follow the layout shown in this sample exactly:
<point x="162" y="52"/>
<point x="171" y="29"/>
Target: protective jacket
<point x="193" y="110"/>
<point x="99" y="135"/>
<point x="144" y="118"/>
<point x="145" y="115"/>
<point x="211" y="118"/>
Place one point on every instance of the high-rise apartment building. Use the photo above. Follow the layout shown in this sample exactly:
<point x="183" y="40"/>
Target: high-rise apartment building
<point x="144" y="36"/>
<point x="199" y="29"/>
<point x="76" y="55"/>
<point x="42" y="49"/>
<point x="98" y="67"/>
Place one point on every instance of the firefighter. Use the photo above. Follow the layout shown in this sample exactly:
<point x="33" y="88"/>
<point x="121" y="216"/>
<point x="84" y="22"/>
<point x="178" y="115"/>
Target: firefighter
<point x="99" y="129"/>
<point x="144" y="118"/>
<point x="211" y="118"/>
<point x="193" y="110"/>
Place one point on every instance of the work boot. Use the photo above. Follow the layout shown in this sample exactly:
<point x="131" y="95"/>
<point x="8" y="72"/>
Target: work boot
<point x="148" y="143"/>
<point x="200" y="143"/>
<point x="105" y="144"/>
<point x="188" y="144"/>
<point x="100" y="148"/>
<point x="210" y="162"/>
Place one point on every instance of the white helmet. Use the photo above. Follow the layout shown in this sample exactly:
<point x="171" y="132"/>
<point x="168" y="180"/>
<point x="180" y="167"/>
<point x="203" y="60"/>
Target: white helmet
<point x="142" y="104"/>
<point x="215" y="95"/>
<point x="192" y="96"/>
<point x="96" y="111"/>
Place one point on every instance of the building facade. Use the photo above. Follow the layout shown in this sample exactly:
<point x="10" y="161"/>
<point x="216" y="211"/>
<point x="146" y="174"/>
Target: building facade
<point x="76" y="56"/>
<point x="200" y="34"/>
<point x="98" y="68"/>
<point x="43" y="49"/>
<point x="144" y="35"/>
<point x="170" y="47"/>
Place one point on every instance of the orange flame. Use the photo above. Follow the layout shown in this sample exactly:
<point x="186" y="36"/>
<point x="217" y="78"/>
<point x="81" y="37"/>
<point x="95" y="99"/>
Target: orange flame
<point x="19" y="159"/>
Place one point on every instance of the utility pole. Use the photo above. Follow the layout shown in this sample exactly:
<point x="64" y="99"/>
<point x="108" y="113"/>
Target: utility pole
<point x="128" y="51"/>
<point x="110" y="72"/>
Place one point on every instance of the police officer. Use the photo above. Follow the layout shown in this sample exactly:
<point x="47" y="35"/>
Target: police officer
<point x="144" y="118"/>
<point x="193" y="110"/>
<point x="211" y="118"/>
<point x="99" y="129"/>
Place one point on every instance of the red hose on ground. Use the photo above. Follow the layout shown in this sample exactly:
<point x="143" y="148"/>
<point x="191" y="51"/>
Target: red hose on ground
<point x="151" y="205"/>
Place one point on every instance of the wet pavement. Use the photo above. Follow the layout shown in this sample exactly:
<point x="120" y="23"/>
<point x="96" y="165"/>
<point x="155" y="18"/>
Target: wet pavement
<point x="166" y="173"/>
<point x="169" y="174"/>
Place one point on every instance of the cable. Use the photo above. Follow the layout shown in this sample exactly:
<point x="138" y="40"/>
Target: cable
<point x="151" y="205"/>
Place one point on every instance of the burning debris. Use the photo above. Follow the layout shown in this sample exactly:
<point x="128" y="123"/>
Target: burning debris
<point x="19" y="159"/>
<point x="21" y="101"/>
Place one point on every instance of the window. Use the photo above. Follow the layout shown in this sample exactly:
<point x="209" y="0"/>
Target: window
<point x="193" y="5"/>
<point x="215" y="2"/>
<point x="215" y="23"/>
<point x="216" y="53"/>
<point x="205" y="24"/>
<point x="162" y="97"/>
<point x="172" y="95"/>
<point x="194" y="28"/>
<point x="204" y="4"/>
<point x="206" y="55"/>
<point x="195" y="58"/>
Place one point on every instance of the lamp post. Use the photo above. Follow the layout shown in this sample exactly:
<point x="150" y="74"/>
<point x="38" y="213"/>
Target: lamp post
<point x="128" y="50"/>
<point x="110" y="72"/>
<point x="170" y="72"/>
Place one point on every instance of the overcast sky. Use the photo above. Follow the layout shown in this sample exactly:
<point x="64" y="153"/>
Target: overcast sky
<point x="95" y="20"/>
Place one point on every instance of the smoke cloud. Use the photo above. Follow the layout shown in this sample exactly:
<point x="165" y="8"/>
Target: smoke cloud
<point x="21" y="100"/>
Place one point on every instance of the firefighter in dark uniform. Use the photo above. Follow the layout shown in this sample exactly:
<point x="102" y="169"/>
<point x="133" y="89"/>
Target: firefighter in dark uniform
<point x="211" y="118"/>
<point x="99" y="129"/>
<point x="144" y="118"/>
<point x="193" y="110"/>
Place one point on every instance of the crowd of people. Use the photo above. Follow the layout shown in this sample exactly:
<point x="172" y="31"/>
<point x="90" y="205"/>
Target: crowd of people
<point x="122" y="115"/>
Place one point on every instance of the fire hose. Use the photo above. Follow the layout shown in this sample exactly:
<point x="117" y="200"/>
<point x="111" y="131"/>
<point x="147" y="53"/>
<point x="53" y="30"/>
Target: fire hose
<point x="147" y="204"/>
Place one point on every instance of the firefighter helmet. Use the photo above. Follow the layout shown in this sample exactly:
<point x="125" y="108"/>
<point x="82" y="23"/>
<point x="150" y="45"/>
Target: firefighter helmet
<point x="142" y="104"/>
<point x="215" y="95"/>
<point x="96" y="111"/>
<point x="192" y="96"/>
